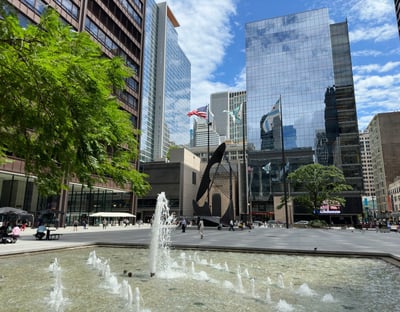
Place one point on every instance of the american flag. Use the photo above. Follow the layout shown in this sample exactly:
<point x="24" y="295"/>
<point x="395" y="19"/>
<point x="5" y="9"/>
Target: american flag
<point x="199" y="112"/>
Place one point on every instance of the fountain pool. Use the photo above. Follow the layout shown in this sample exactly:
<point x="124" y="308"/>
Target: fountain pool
<point x="195" y="281"/>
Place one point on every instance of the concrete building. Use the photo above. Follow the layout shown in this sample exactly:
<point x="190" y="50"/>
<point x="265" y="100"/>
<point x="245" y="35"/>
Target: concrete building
<point x="394" y="194"/>
<point x="368" y="198"/>
<point x="166" y="85"/>
<point x="300" y="85"/>
<point x="385" y="151"/>
<point x="118" y="27"/>
<point x="232" y="160"/>
<point x="229" y="115"/>
<point x="205" y="134"/>
<point x="179" y="178"/>
<point x="366" y="160"/>
<point x="227" y="124"/>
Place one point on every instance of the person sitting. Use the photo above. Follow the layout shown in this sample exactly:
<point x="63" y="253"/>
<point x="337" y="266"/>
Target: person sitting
<point x="41" y="231"/>
<point x="15" y="232"/>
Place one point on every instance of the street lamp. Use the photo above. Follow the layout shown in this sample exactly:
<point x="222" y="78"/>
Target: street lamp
<point x="230" y="207"/>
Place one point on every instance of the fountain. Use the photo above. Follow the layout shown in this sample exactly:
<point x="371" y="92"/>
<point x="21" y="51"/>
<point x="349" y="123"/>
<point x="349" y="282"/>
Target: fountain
<point x="119" y="279"/>
<point x="161" y="237"/>
<point x="56" y="300"/>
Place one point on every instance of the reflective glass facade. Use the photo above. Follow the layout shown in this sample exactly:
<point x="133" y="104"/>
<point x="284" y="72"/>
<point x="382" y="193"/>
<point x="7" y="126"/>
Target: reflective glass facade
<point x="289" y="57"/>
<point x="177" y="92"/>
<point x="149" y="82"/>
<point x="299" y="85"/>
<point x="166" y="85"/>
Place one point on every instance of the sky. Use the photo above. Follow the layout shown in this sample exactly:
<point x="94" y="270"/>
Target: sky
<point x="212" y="35"/>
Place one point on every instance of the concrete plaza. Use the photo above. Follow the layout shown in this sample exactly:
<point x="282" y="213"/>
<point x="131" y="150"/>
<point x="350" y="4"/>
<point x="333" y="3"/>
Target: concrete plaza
<point x="346" y="242"/>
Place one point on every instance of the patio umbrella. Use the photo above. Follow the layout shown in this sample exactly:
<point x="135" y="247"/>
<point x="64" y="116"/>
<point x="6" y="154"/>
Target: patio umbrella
<point x="15" y="213"/>
<point x="11" y="210"/>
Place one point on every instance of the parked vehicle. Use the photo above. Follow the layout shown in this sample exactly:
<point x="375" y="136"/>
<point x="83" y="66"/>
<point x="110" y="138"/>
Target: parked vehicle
<point x="305" y="222"/>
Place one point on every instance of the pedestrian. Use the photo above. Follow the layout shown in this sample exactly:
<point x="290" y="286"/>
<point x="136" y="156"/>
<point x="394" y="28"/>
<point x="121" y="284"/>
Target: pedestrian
<point x="84" y="224"/>
<point x="183" y="224"/>
<point x="41" y="231"/>
<point x="15" y="232"/>
<point x="75" y="225"/>
<point x="231" y="228"/>
<point x="104" y="224"/>
<point x="201" y="228"/>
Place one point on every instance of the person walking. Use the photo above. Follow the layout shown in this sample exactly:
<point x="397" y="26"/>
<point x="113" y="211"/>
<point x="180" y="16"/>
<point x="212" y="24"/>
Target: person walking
<point x="231" y="228"/>
<point x="75" y="225"/>
<point x="183" y="224"/>
<point x="201" y="228"/>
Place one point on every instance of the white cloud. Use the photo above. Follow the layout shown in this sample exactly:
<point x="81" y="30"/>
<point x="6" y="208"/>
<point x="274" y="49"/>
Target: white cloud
<point x="376" y="94"/>
<point x="372" y="10"/>
<point x="362" y="69"/>
<point x="377" y="33"/>
<point x="204" y="35"/>
<point x="366" y="53"/>
<point x="240" y="80"/>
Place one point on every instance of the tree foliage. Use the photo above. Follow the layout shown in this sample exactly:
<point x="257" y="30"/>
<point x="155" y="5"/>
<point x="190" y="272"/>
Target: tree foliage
<point x="318" y="183"/>
<point x="57" y="109"/>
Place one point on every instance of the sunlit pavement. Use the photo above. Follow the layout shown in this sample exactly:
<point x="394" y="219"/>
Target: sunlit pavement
<point x="282" y="240"/>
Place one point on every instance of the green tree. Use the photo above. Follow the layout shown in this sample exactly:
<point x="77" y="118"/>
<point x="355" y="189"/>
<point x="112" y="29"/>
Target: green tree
<point x="57" y="109"/>
<point x="317" y="183"/>
<point x="170" y="148"/>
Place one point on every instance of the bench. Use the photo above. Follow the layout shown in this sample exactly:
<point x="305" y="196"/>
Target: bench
<point x="39" y="237"/>
<point x="50" y="236"/>
<point x="54" y="236"/>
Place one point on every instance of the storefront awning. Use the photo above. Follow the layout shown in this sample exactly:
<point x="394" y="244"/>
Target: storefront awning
<point x="112" y="215"/>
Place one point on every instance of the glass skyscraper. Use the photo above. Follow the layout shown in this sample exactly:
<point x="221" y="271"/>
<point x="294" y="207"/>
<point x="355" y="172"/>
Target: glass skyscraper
<point x="166" y="85"/>
<point x="299" y="85"/>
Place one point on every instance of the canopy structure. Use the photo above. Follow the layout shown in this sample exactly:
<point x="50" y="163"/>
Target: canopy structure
<point x="112" y="215"/>
<point x="14" y="214"/>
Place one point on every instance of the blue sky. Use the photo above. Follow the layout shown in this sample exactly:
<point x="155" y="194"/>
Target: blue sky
<point x="211" y="33"/>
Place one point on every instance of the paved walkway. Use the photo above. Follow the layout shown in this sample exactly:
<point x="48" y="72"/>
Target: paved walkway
<point x="314" y="241"/>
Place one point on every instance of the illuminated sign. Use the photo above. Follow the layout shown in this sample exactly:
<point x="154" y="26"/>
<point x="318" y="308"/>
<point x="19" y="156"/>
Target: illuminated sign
<point x="329" y="207"/>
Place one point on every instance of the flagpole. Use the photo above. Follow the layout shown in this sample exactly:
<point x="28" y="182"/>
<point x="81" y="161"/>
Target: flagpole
<point x="248" y="207"/>
<point x="208" y="153"/>
<point x="283" y="164"/>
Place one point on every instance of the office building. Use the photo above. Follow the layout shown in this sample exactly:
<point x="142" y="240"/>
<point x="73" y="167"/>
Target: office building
<point x="117" y="26"/>
<point x="366" y="160"/>
<point x="368" y="198"/>
<point x="166" y="85"/>
<point x="300" y="99"/>
<point x="385" y="151"/>
<point x="228" y="109"/>
<point x="205" y="135"/>
<point x="179" y="179"/>
<point x="394" y="195"/>
<point x="227" y="123"/>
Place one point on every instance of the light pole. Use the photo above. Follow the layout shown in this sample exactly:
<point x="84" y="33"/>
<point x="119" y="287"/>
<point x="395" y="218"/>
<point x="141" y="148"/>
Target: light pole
<point x="230" y="207"/>
<point x="373" y="207"/>
<point x="248" y="206"/>
<point x="208" y="156"/>
<point x="285" y="190"/>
